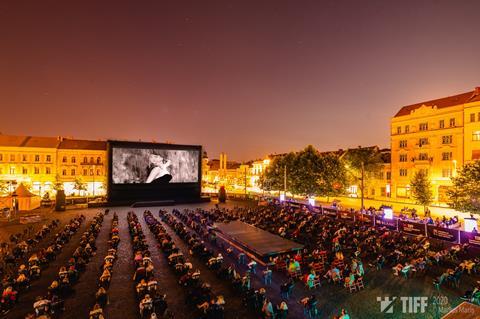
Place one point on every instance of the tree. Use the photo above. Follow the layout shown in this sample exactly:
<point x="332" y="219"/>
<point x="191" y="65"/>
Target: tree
<point x="4" y="187"/>
<point x="308" y="173"/>
<point x="465" y="193"/>
<point x="273" y="177"/>
<point x="57" y="185"/>
<point x="362" y="164"/>
<point x="421" y="189"/>
<point x="79" y="185"/>
<point x="333" y="176"/>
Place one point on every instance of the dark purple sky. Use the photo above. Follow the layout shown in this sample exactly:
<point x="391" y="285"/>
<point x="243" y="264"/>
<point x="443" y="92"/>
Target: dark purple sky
<point x="245" y="77"/>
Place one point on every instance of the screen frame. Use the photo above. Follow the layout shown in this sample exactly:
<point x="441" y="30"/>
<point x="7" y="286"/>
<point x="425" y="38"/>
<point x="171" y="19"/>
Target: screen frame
<point x="151" y="190"/>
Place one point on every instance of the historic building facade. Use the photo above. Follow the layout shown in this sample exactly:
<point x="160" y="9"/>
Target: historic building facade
<point x="437" y="136"/>
<point x="43" y="162"/>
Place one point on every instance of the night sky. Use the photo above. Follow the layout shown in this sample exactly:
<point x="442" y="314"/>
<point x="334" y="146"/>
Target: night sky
<point x="245" y="77"/>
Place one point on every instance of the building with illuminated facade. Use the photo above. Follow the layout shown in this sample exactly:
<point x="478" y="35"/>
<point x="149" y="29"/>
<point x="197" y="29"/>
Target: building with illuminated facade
<point x="438" y="137"/>
<point x="43" y="162"/>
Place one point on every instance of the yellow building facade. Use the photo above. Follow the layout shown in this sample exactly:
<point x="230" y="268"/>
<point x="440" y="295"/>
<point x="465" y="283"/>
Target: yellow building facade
<point x="437" y="136"/>
<point x="42" y="162"/>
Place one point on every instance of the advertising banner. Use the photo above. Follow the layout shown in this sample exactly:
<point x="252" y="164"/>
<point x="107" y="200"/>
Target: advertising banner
<point x="470" y="238"/>
<point x="412" y="228"/>
<point x="389" y="223"/>
<point x="442" y="233"/>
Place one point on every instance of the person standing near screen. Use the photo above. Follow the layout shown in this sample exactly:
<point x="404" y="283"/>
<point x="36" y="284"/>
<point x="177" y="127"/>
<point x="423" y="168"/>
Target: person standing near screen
<point x="159" y="173"/>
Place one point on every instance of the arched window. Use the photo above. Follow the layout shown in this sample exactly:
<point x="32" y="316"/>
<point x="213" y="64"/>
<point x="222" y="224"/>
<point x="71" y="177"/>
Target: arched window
<point x="85" y="160"/>
<point x="74" y="160"/>
<point x="99" y="160"/>
<point x="64" y="159"/>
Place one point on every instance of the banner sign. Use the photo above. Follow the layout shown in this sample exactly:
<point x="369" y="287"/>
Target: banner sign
<point x="412" y="228"/>
<point x="470" y="238"/>
<point x="388" y="223"/>
<point x="447" y="234"/>
<point x="346" y="215"/>
<point x="364" y="218"/>
<point x="332" y="212"/>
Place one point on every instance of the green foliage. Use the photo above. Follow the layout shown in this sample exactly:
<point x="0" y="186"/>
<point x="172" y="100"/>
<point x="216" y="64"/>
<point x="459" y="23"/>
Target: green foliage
<point x="465" y="193"/>
<point x="57" y="185"/>
<point x="4" y="187"/>
<point x="308" y="173"/>
<point x="362" y="164"/>
<point x="421" y="188"/>
<point x="79" y="185"/>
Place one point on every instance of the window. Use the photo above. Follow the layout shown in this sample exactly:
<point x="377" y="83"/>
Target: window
<point x="407" y="128"/>
<point x="37" y="158"/>
<point x="12" y="170"/>
<point x="64" y="172"/>
<point x="24" y="158"/>
<point x="74" y="160"/>
<point x="99" y="160"/>
<point x="447" y="139"/>
<point x="389" y="175"/>
<point x="478" y="116"/>
<point x="85" y="160"/>
<point x="452" y="122"/>
<point x="36" y="170"/>
<point x="49" y="158"/>
<point x="1" y="171"/>
<point x="399" y="129"/>
<point x="424" y="171"/>
<point x="402" y="192"/>
<point x="423" y="127"/>
<point x="423" y="157"/>
<point x="72" y="172"/>
<point x="85" y="171"/>
<point x="91" y="160"/>
<point x="446" y="156"/>
<point x="403" y="172"/>
<point x="64" y="159"/>
<point x="476" y="136"/>
<point x="48" y="171"/>
<point x="441" y="124"/>
<point x="24" y="171"/>
<point x="403" y="157"/>
<point x="1" y="157"/>
<point x="383" y="191"/>
<point x="12" y="157"/>
<point x="423" y="141"/>
<point x="91" y="172"/>
<point x="372" y="192"/>
<point x="472" y="117"/>
<point x="403" y="143"/>
<point x="447" y="172"/>
<point x="98" y="172"/>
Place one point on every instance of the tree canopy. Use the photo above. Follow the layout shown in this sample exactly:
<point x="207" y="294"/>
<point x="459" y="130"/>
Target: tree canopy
<point x="465" y="193"/>
<point x="421" y="188"/>
<point x="308" y="173"/>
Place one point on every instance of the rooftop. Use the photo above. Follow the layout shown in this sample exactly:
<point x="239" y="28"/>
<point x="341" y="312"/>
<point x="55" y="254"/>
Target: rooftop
<point x="449" y="101"/>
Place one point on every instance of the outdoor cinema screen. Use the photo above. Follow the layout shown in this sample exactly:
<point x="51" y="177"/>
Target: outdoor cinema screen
<point x="159" y="166"/>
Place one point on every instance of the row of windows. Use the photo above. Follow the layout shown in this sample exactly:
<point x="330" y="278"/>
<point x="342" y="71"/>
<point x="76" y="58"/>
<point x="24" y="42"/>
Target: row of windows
<point x="424" y="126"/>
<point x="48" y="158"/>
<point x="48" y="170"/>
<point x="446" y="156"/>
<point x="24" y="170"/>
<point x="446" y="172"/>
<point x="446" y="139"/>
<point x="85" y="172"/>
<point x="85" y="160"/>
<point x="472" y="117"/>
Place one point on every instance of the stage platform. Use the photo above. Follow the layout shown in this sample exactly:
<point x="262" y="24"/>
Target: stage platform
<point x="256" y="241"/>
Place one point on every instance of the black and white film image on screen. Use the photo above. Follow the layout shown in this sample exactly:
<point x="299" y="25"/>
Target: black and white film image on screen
<point x="158" y="166"/>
